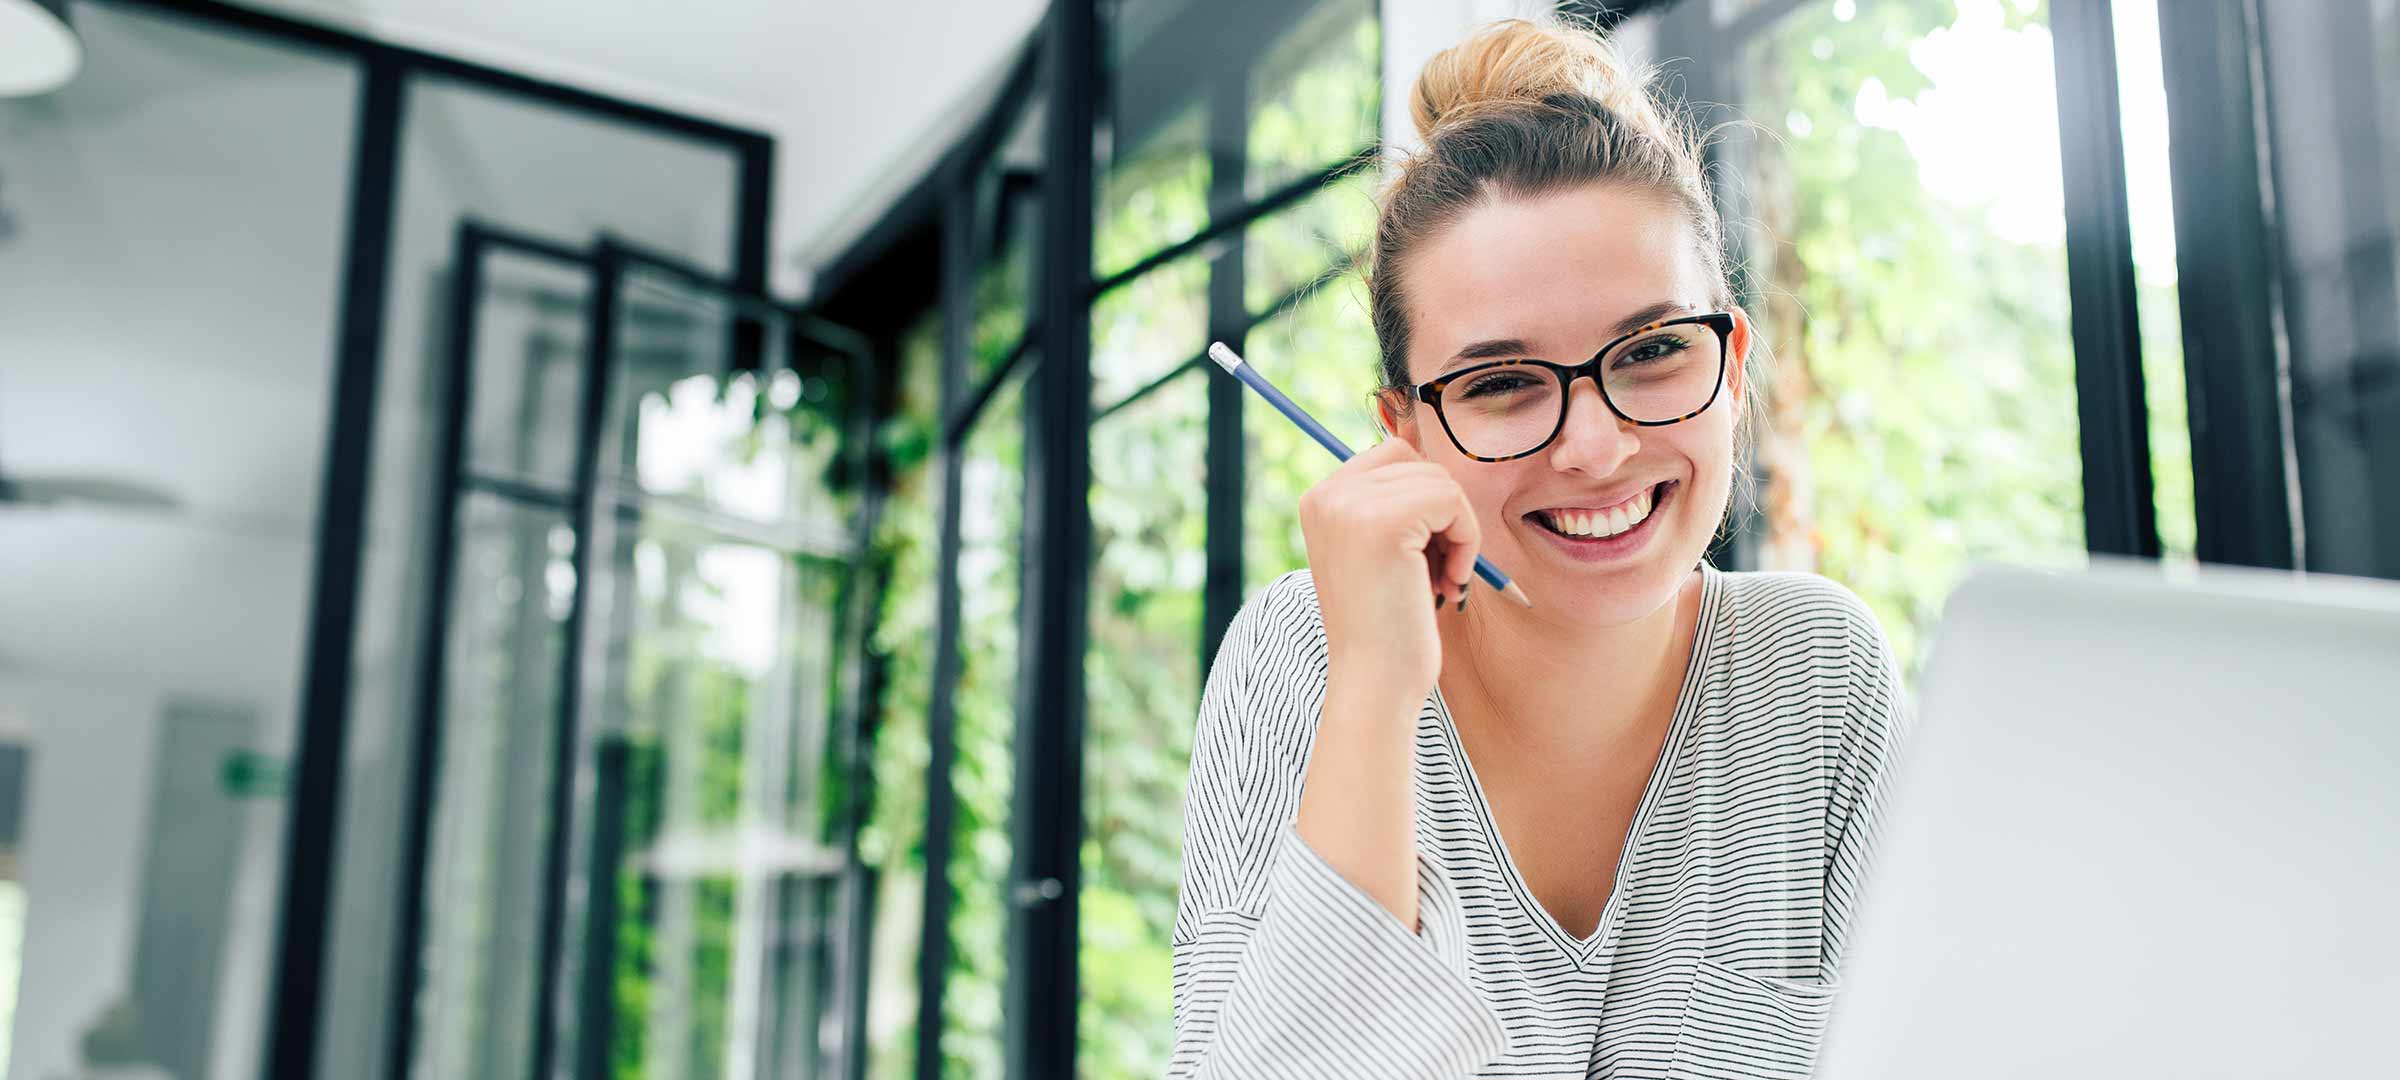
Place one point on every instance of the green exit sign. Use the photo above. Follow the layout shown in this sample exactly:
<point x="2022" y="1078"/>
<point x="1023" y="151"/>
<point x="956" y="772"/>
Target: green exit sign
<point x="248" y="774"/>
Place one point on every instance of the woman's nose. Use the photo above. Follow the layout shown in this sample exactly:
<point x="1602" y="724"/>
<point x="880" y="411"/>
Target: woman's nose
<point x="1594" y="440"/>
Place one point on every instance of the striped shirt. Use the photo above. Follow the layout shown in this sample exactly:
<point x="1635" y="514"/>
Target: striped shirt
<point x="1715" y="955"/>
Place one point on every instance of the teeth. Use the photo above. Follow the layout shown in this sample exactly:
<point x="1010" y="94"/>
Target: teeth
<point x="1601" y="524"/>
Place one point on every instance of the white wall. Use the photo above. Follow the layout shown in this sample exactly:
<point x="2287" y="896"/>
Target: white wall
<point x="84" y="816"/>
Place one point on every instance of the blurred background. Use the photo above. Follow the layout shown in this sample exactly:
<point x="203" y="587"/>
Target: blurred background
<point x="550" y="539"/>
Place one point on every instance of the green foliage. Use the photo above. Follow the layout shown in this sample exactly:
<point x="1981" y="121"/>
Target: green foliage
<point x="1144" y="328"/>
<point x="892" y="837"/>
<point x="1922" y="404"/>
<point x="1317" y="97"/>
<point x="2170" y="424"/>
<point x="1314" y="102"/>
<point x="1142" y="681"/>
<point x="990" y="564"/>
<point x="629" y="1041"/>
<point x="712" y="974"/>
<point x="1290" y="249"/>
<point x="1321" y="353"/>
<point x="687" y="712"/>
<point x="719" y="625"/>
<point x="1153" y="195"/>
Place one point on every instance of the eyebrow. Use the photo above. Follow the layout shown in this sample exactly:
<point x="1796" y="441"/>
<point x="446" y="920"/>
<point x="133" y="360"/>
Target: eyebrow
<point x="1515" y="348"/>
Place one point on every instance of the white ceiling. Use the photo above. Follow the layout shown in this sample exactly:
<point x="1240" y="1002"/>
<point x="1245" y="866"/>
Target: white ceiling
<point x="860" y="96"/>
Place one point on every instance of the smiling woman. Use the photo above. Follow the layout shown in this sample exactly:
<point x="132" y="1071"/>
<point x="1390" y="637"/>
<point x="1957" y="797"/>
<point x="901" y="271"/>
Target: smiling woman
<point x="1614" y="834"/>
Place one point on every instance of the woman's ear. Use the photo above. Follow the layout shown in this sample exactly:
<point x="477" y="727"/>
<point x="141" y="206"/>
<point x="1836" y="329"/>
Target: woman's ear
<point x="1396" y="420"/>
<point x="1737" y="355"/>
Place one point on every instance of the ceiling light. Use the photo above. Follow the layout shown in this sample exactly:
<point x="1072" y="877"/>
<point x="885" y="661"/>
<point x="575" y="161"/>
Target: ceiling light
<point x="38" y="48"/>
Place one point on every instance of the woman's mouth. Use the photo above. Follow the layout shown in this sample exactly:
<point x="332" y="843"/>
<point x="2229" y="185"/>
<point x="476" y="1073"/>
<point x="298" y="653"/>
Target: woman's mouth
<point x="1596" y="533"/>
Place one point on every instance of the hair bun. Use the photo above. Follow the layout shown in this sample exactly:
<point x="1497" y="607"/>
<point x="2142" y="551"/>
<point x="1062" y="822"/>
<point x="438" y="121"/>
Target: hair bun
<point x="1516" y="61"/>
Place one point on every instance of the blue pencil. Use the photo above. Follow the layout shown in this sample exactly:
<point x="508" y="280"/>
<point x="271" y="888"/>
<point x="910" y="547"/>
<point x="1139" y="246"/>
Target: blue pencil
<point x="1232" y="363"/>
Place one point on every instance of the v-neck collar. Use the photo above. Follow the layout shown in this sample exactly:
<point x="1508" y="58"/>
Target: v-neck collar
<point x="1580" y="951"/>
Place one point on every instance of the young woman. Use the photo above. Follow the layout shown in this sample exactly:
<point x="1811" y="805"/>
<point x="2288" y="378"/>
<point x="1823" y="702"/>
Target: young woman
<point x="1617" y="833"/>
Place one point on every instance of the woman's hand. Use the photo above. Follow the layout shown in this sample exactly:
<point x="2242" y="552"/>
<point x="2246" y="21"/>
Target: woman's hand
<point x="1390" y="537"/>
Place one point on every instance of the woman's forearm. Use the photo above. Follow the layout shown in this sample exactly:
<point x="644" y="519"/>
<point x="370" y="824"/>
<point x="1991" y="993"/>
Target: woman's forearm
<point x="1358" y="800"/>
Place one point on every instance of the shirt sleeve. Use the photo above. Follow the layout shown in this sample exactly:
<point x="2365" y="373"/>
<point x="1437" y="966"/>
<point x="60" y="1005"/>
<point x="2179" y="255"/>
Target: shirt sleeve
<point x="1874" y="734"/>
<point x="1282" y="966"/>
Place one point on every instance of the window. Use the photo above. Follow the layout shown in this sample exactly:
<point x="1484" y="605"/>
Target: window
<point x="2142" y="94"/>
<point x="1919" y="407"/>
<point x="1149" y="525"/>
<point x="990" y="573"/>
<point x="1321" y="353"/>
<point x="1214" y="110"/>
<point x="892" y="839"/>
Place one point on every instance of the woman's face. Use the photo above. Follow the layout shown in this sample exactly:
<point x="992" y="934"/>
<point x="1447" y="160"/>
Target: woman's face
<point x="1562" y="275"/>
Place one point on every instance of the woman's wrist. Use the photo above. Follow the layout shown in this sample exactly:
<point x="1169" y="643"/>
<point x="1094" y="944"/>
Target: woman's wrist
<point x="1362" y="684"/>
<point x="1358" y="802"/>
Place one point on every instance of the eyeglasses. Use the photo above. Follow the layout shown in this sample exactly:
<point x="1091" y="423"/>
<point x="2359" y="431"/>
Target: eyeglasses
<point x="1664" y="373"/>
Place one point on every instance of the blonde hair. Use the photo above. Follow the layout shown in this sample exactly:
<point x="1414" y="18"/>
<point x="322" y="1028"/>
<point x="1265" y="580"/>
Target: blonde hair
<point x="1525" y="109"/>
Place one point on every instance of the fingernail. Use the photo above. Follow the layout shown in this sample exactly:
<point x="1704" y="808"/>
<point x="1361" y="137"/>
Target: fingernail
<point x="1462" y="598"/>
<point x="1437" y="601"/>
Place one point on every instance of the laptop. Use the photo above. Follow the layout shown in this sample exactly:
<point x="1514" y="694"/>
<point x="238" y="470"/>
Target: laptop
<point x="2145" y="827"/>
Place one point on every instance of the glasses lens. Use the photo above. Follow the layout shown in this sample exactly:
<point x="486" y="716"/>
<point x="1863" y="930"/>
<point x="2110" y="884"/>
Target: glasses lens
<point x="1666" y="374"/>
<point x="1502" y="411"/>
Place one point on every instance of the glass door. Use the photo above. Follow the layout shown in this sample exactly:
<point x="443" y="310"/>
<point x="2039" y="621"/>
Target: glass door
<point x="636" y="851"/>
<point x="718" y="850"/>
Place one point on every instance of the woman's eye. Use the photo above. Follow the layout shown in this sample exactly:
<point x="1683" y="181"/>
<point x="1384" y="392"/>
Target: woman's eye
<point x="1651" y="350"/>
<point x="1504" y="382"/>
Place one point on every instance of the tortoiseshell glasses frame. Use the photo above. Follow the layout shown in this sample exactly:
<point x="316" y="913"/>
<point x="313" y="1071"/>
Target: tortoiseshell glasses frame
<point x="1722" y="322"/>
